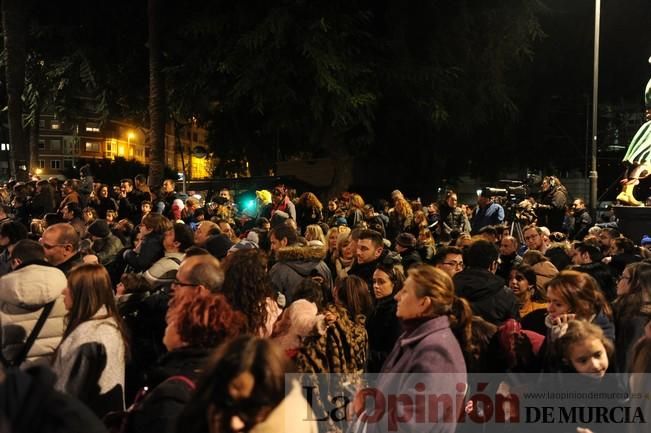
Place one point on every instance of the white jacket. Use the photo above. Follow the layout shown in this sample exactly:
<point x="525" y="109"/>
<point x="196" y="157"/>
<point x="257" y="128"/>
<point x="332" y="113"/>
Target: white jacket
<point x="23" y="293"/>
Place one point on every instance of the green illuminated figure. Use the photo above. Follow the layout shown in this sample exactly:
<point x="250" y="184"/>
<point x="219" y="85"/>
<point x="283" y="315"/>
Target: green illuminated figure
<point x="638" y="155"/>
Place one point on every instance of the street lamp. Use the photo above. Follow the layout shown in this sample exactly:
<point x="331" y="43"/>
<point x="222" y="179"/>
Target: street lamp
<point x="595" y="107"/>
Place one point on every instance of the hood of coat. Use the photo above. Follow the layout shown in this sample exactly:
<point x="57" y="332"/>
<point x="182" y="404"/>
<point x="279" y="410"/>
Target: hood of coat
<point x="474" y="284"/>
<point x="33" y="285"/>
<point x="301" y="253"/>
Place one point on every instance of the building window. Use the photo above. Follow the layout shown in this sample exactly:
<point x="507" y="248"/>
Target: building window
<point x="4" y="146"/>
<point x="41" y="163"/>
<point x="55" y="145"/>
<point x="55" y="164"/>
<point x="56" y="124"/>
<point x="41" y="123"/>
<point x="92" y="127"/>
<point x="41" y="146"/>
<point x="108" y="147"/>
<point x="67" y="163"/>
<point x="92" y="147"/>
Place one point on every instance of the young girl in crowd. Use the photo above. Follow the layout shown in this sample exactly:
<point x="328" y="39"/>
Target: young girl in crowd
<point x="522" y="281"/>
<point x="585" y="349"/>
<point x="91" y="357"/>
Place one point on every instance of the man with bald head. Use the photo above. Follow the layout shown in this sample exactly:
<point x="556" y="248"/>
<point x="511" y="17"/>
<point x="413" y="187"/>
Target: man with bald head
<point x="198" y="273"/>
<point x="509" y="257"/>
<point x="61" y="244"/>
<point x="204" y="231"/>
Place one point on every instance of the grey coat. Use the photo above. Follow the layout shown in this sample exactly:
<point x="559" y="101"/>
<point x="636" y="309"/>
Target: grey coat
<point x="430" y="355"/>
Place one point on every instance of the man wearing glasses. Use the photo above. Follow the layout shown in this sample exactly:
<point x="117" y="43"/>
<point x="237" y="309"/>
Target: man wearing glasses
<point x="449" y="260"/>
<point x="61" y="244"/>
<point x="198" y="273"/>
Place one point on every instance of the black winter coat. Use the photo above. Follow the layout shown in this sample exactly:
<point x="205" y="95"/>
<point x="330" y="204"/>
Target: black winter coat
<point x="410" y="258"/>
<point x="159" y="410"/>
<point x="383" y="329"/>
<point x="487" y="295"/>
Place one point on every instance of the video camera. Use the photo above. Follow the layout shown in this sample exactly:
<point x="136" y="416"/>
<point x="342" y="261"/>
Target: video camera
<point x="512" y="190"/>
<point x="511" y="196"/>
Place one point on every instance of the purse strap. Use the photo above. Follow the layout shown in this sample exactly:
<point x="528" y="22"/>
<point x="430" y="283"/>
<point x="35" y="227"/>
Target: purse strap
<point x="22" y="355"/>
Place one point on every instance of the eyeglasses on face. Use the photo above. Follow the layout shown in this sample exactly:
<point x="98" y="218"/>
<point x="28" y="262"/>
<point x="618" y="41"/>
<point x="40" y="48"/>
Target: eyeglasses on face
<point x="182" y="284"/>
<point x="458" y="265"/>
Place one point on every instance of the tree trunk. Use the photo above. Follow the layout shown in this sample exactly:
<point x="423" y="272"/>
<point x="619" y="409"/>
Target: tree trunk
<point x="14" y="24"/>
<point x="156" y="95"/>
<point x="34" y="133"/>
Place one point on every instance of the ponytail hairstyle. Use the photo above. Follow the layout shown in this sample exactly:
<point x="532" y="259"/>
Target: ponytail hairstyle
<point x="437" y="285"/>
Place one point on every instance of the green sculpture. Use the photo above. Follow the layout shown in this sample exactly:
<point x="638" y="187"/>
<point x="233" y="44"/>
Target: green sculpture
<point x="638" y="156"/>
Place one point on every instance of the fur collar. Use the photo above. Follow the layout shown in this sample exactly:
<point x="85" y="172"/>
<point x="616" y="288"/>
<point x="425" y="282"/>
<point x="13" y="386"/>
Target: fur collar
<point x="301" y="253"/>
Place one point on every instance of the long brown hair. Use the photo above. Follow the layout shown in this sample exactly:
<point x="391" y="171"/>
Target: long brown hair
<point x="581" y="292"/>
<point x="90" y="289"/>
<point x="353" y="294"/>
<point x="260" y="359"/>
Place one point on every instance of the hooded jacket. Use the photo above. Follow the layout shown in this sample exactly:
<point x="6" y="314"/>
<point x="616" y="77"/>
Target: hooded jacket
<point x="23" y="294"/>
<point x="487" y="295"/>
<point x="295" y="263"/>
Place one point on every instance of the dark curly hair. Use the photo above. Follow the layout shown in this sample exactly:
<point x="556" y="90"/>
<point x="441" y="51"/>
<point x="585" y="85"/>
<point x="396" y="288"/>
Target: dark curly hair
<point x="206" y="319"/>
<point x="247" y="286"/>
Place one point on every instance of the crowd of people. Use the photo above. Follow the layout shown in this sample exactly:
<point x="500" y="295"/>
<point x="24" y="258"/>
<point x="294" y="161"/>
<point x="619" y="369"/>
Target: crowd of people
<point x="136" y="308"/>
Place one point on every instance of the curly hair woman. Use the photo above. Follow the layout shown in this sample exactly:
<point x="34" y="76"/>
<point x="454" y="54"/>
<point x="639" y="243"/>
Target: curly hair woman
<point x="248" y="289"/>
<point x="309" y="210"/>
<point x="196" y="325"/>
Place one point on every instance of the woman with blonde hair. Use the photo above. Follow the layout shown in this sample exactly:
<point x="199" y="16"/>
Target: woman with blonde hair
<point x="345" y="255"/>
<point x="400" y="218"/>
<point x="90" y="360"/>
<point x="437" y="333"/>
<point x="314" y="235"/>
<point x="355" y="214"/>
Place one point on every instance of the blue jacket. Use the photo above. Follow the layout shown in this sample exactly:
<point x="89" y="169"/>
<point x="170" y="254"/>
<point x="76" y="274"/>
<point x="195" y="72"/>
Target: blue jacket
<point x="488" y="216"/>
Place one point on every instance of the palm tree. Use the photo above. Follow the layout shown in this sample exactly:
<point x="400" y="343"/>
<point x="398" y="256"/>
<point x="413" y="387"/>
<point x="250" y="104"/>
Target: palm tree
<point x="14" y="25"/>
<point x="156" y="95"/>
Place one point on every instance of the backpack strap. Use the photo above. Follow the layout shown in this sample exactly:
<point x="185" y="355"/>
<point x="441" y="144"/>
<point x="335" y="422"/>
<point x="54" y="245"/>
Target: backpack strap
<point x="175" y="260"/>
<point x="22" y="355"/>
<point x="183" y="379"/>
